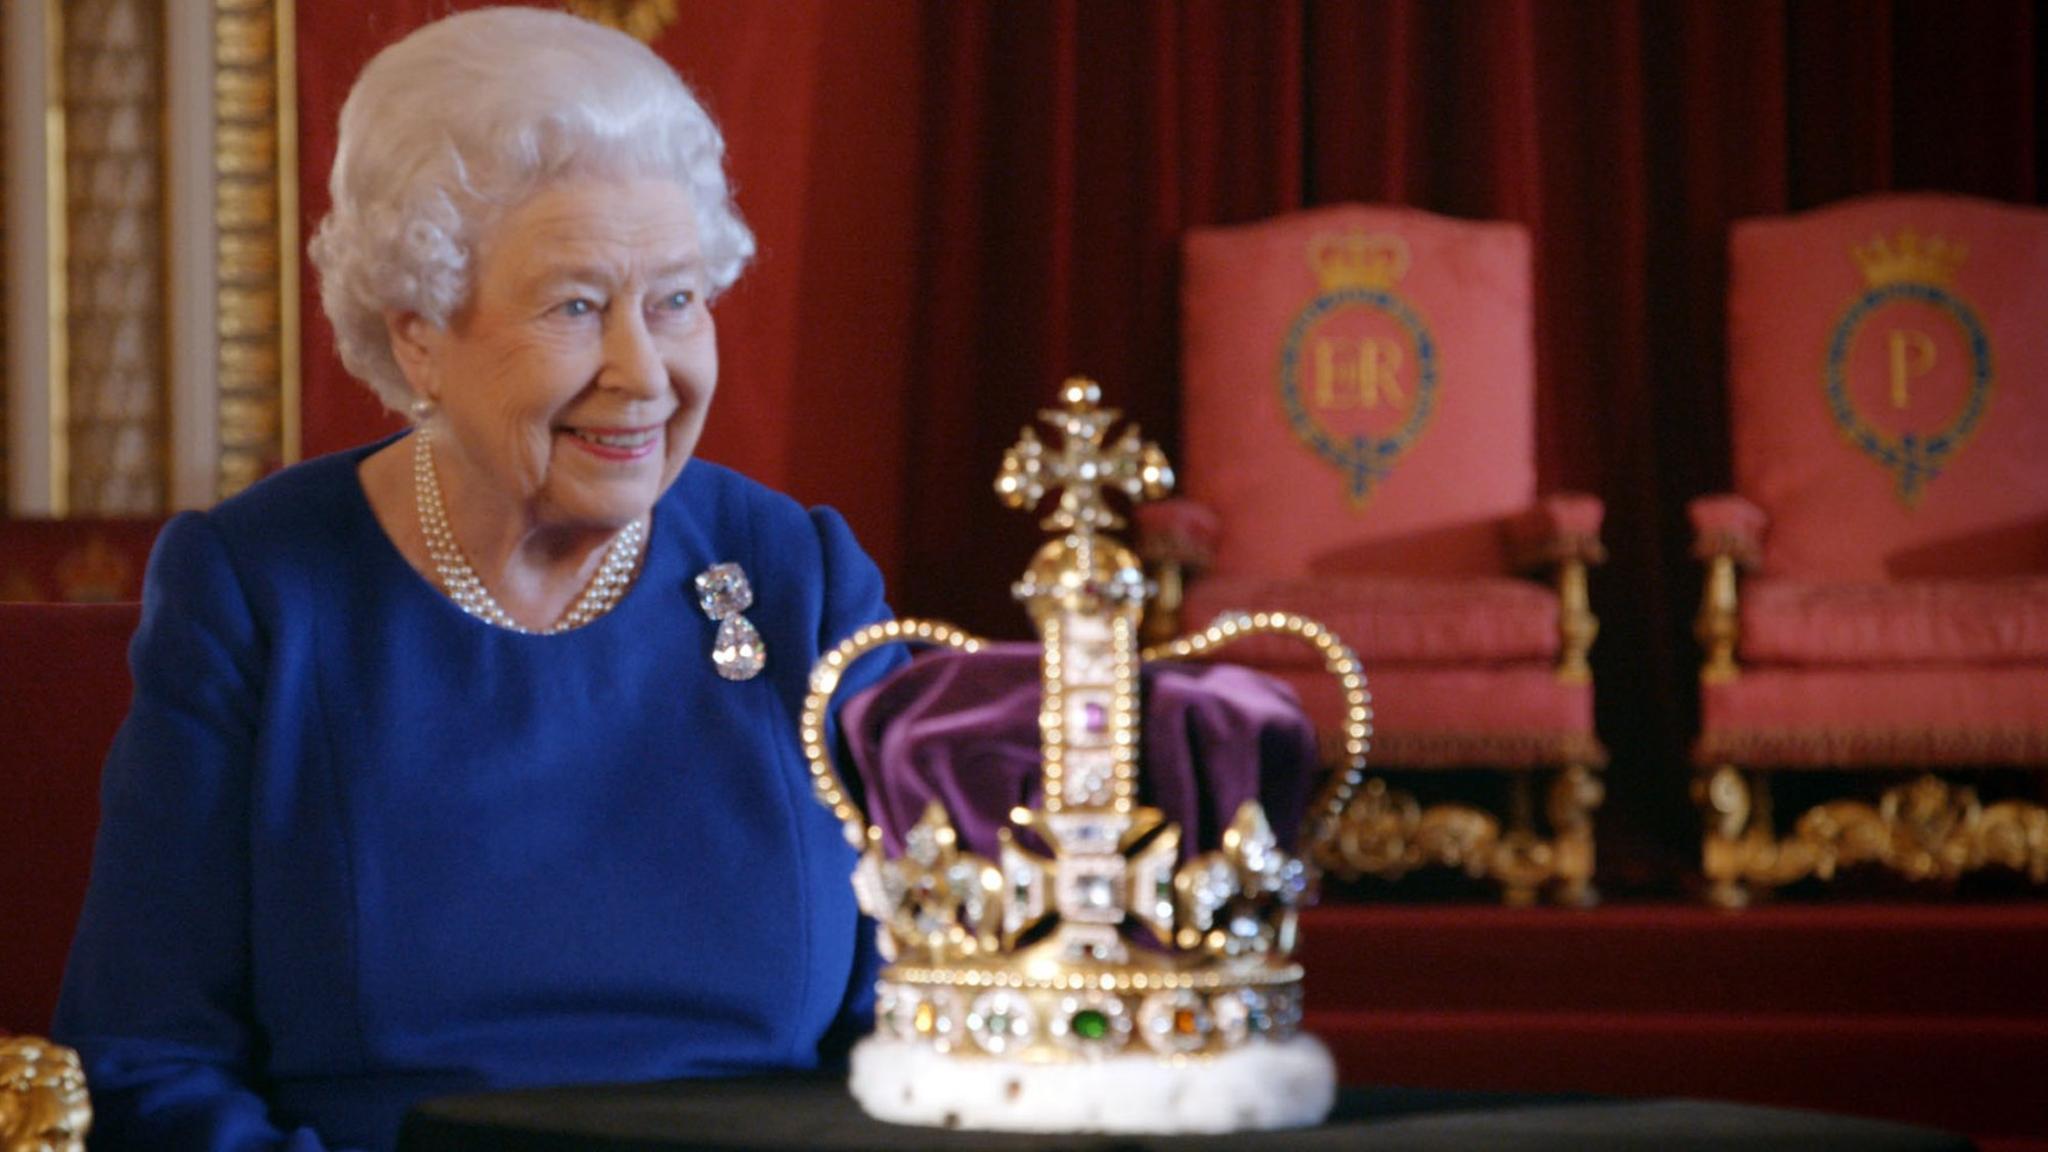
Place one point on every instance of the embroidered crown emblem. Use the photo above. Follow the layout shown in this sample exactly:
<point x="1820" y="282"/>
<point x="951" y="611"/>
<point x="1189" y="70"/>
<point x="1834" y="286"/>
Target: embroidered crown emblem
<point x="1358" y="259"/>
<point x="94" y="573"/>
<point x="1914" y="448"/>
<point x="1910" y="258"/>
<point x="1122" y="941"/>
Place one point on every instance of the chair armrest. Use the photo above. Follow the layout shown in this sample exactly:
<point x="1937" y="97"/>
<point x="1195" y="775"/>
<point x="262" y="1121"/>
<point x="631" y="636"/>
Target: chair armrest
<point x="1176" y="538"/>
<point x="1179" y="531"/>
<point x="1725" y="524"/>
<point x="1559" y="527"/>
<point x="1561" y="533"/>
<point x="1728" y="533"/>
<point x="47" y="1105"/>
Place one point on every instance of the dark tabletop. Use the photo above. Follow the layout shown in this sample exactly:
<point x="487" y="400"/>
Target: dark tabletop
<point x="815" y="1113"/>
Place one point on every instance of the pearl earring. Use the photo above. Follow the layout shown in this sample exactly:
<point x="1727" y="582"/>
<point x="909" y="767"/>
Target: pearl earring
<point x="422" y="409"/>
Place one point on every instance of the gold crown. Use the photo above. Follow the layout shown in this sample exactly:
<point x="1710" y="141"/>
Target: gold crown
<point x="1358" y="259"/>
<point x="1110" y="944"/>
<point x="1910" y="259"/>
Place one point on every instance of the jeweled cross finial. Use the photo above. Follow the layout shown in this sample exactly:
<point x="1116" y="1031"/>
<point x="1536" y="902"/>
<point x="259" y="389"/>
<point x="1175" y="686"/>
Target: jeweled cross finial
<point x="1081" y="467"/>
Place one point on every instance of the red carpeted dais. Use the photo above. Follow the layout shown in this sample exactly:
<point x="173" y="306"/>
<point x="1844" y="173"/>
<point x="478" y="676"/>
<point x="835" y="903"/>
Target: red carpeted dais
<point x="1930" y="1014"/>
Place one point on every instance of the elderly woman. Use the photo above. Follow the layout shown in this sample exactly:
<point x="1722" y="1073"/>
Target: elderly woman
<point x="463" y="759"/>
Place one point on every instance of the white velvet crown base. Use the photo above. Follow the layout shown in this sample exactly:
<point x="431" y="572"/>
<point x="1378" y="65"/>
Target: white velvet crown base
<point x="1285" y="1084"/>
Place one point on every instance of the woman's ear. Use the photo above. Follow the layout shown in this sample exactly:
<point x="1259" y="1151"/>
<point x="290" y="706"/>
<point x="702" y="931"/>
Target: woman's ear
<point x="414" y="342"/>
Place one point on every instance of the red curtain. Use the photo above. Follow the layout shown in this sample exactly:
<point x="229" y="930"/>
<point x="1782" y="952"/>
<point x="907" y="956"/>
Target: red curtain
<point x="1068" y="144"/>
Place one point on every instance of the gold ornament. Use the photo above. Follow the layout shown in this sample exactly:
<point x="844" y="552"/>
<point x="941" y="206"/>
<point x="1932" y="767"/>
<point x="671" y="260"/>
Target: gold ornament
<point x="1925" y="829"/>
<point x="43" y="1102"/>
<point x="643" y="20"/>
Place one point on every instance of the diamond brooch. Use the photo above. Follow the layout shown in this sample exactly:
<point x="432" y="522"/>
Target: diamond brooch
<point x="723" y="593"/>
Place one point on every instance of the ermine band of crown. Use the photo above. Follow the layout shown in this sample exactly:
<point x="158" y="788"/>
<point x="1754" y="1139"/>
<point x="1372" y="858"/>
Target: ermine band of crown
<point x="1058" y="1024"/>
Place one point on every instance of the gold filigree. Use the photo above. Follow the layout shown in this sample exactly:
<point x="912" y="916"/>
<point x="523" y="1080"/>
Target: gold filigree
<point x="57" y="281"/>
<point x="114" y="156"/>
<point x="256" y="246"/>
<point x="44" y="1106"/>
<point x="641" y="19"/>
<point x="1926" y="829"/>
<point x="1382" y="834"/>
<point x="1388" y="833"/>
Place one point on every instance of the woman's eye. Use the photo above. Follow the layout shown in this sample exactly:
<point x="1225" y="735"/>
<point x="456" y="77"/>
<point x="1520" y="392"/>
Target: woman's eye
<point x="679" y="301"/>
<point x="578" y="307"/>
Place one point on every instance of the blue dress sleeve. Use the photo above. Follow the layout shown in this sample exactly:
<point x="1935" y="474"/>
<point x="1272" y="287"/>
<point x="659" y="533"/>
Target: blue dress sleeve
<point x="156" y="994"/>
<point x="853" y="600"/>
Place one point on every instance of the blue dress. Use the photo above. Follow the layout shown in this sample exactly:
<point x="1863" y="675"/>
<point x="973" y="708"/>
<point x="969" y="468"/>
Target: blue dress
<point x="359" y="848"/>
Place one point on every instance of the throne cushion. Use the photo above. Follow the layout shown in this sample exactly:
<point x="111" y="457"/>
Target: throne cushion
<point x="1888" y="413"/>
<point x="1299" y="356"/>
<point x="1888" y="717"/>
<point x="1512" y="716"/>
<point x="962" y="729"/>
<point x="1391" y="619"/>
<point x="1899" y="622"/>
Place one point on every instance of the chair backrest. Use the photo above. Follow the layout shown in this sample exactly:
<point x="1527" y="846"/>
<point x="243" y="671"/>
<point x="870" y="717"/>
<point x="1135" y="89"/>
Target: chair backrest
<point x="1888" y="362"/>
<point x="64" y="687"/>
<point x="1359" y="390"/>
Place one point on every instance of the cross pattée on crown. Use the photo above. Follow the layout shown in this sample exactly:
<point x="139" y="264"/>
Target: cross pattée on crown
<point x="1082" y="467"/>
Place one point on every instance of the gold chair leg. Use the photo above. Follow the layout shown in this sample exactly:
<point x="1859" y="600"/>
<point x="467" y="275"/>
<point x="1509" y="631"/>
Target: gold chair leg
<point x="1524" y="862"/>
<point x="1729" y="806"/>
<point x="1575" y="792"/>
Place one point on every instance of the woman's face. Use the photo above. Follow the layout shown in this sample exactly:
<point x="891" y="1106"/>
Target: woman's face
<point x="573" y="386"/>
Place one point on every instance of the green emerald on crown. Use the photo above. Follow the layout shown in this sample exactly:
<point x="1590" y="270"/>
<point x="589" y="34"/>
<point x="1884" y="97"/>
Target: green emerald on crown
<point x="1089" y="1024"/>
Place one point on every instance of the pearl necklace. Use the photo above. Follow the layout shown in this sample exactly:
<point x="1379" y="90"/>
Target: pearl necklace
<point x="467" y="589"/>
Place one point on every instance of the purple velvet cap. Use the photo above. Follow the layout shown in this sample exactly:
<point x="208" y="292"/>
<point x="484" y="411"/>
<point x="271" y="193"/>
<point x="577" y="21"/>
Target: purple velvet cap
<point x="962" y="728"/>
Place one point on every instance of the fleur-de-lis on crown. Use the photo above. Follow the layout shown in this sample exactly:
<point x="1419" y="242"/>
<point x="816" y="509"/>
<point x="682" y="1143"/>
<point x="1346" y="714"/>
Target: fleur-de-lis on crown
<point x="1081" y="468"/>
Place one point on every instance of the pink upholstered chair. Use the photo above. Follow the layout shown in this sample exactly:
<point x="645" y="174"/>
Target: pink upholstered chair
<point x="1888" y="363"/>
<point x="1359" y="445"/>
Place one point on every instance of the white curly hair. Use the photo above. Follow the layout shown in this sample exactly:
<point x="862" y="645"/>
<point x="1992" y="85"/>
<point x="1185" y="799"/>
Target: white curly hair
<point x="461" y="121"/>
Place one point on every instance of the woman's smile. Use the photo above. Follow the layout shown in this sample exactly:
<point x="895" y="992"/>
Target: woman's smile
<point x="617" y="443"/>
